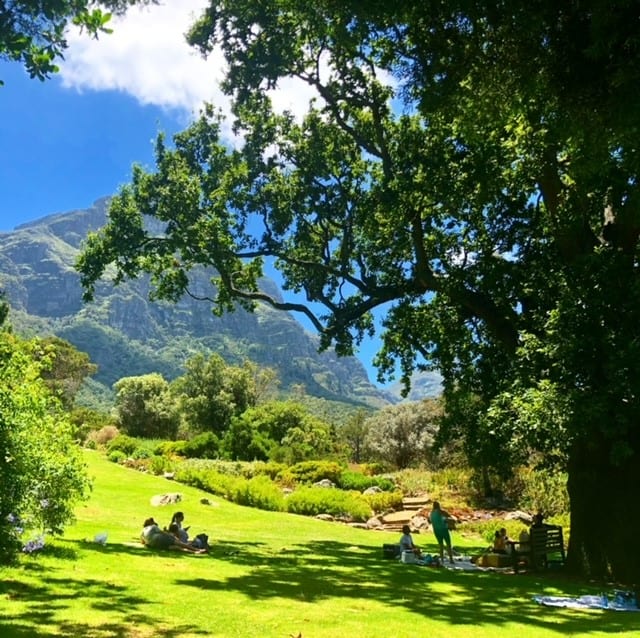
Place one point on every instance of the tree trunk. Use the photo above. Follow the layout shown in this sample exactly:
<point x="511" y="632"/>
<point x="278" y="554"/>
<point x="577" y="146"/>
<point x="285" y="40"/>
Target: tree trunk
<point x="605" y="518"/>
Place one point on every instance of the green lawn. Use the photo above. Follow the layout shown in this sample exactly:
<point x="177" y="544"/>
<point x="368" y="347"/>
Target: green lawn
<point x="269" y="575"/>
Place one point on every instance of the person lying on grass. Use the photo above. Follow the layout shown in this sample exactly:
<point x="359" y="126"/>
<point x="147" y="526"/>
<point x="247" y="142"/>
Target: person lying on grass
<point x="152" y="536"/>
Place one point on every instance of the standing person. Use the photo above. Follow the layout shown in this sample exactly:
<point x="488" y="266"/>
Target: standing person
<point x="438" y="520"/>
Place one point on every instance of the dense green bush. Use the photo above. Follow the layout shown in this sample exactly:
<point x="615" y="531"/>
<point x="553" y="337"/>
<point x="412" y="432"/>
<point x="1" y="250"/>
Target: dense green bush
<point x="116" y="456"/>
<point x="384" y="501"/>
<point x="202" y="446"/>
<point x="160" y="464"/>
<point x="350" y="480"/>
<point x="123" y="443"/>
<point x="42" y="474"/>
<point x="311" y="501"/>
<point x="312" y="471"/>
<point x="201" y="475"/>
<point x="543" y="490"/>
<point x="264" y="468"/>
<point x="259" y="492"/>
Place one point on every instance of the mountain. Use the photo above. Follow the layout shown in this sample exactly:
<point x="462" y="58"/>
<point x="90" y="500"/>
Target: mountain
<point x="127" y="335"/>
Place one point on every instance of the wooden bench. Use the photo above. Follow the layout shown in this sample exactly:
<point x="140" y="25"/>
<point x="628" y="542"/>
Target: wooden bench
<point x="545" y="546"/>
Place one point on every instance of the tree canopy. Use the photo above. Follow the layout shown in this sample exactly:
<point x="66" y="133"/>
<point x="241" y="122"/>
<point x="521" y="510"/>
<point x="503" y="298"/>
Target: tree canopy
<point x="470" y="171"/>
<point x="34" y="33"/>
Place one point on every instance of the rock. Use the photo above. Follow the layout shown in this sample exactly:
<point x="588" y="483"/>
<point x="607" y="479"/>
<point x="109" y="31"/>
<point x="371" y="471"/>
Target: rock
<point x="165" y="499"/>
<point x="325" y="517"/>
<point x="518" y="515"/>
<point x="373" y="523"/>
<point x="374" y="489"/>
<point x="420" y="522"/>
<point x="403" y="516"/>
<point x="169" y="475"/>
<point x="324" y="483"/>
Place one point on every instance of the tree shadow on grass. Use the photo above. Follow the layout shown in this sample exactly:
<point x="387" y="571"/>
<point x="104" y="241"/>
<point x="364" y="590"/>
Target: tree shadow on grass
<point x="43" y="604"/>
<point x="317" y="571"/>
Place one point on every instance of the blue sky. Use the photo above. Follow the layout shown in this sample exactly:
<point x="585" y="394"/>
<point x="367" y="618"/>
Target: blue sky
<point x="72" y="139"/>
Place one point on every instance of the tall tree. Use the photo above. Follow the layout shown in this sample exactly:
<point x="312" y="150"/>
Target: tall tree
<point x="471" y="170"/>
<point x="65" y="369"/>
<point x="145" y="406"/>
<point x="34" y="33"/>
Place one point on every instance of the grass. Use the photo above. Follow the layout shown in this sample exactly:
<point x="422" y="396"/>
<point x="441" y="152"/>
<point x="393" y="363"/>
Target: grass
<point x="269" y="575"/>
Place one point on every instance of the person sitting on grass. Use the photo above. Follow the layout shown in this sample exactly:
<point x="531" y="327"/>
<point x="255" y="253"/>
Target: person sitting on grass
<point x="176" y="524"/>
<point x="407" y="544"/>
<point x="152" y="536"/>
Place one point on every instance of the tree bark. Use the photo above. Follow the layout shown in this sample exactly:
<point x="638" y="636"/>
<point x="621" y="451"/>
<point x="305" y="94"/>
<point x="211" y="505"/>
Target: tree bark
<point x="605" y="519"/>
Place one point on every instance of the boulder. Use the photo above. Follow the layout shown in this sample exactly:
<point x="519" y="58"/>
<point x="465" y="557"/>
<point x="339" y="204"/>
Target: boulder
<point x="324" y="483"/>
<point x="518" y="515"/>
<point x="165" y="499"/>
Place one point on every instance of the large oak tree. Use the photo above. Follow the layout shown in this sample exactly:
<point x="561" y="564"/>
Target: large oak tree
<point x="470" y="170"/>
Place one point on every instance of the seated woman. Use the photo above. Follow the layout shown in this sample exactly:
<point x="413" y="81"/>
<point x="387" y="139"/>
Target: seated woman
<point x="499" y="543"/>
<point x="183" y="532"/>
<point x="406" y="542"/>
<point x="152" y="536"/>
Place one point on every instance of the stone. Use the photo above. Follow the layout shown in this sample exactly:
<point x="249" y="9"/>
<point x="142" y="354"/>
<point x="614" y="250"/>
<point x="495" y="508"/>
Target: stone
<point x="518" y="515"/>
<point x="324" y="483"/>
<point x="165" y="499"/>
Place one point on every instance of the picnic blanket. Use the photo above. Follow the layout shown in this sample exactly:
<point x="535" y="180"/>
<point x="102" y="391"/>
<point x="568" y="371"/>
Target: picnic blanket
<point x="601" y="601"/>
<point x="465" y="564"/>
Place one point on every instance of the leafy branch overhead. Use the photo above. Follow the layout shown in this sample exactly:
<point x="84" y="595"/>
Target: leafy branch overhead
<point x="34" y="33"/>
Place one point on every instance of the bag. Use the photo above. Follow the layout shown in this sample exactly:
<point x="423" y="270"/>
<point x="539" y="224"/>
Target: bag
<point x="390" y="550"/>
<point x="410" y="558"/>
<point x="201" y="541"/>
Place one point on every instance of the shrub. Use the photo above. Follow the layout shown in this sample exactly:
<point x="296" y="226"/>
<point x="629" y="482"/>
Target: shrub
<point x="544" y="490"/>
<point x="259" y="492"/>
<point x="202" y="446"/>
<point x="384" y="501"/>
<point x="168" y="448"/>
<point x="311" y="501"/>
<point x="200" y="475"/>
<point x="141" y="453"/>
<point x="123" y="443"/>
<point x="160" y="464"/>
<point x="116" y="456"/>
<point x="350" y="480"/>
<point x="103" y="435"/>
<point x="263" y="468"/>
<point x="313" y="471"/>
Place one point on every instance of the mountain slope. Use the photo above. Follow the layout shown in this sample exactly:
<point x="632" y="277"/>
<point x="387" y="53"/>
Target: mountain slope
<point x="127" y="335"/>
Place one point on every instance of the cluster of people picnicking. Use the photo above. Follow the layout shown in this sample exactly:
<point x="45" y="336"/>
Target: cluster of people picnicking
<point x="175" y="537"/>
<point x="439" y="523"/>
<point x="438" y="519"/>
<point x="502" y="544"/>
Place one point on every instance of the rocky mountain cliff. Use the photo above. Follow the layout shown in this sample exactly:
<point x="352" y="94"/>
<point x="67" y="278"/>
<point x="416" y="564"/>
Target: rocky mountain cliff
<point x="126" y="334"/>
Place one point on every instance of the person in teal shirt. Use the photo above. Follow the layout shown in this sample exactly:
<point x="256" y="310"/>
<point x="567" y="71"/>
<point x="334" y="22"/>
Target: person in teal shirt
<point x="438" y="520"/>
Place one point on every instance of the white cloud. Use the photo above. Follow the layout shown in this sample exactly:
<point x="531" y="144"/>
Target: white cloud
<point x="147" y="57"/>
